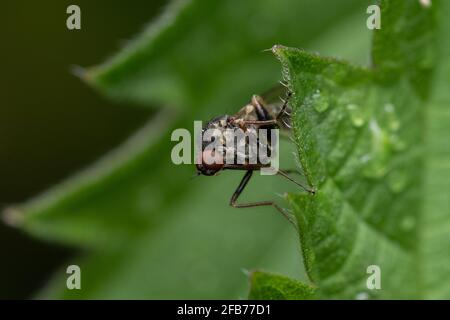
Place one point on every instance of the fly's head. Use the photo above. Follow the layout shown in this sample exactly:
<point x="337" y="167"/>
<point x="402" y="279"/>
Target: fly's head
<point x="211" y="163"/>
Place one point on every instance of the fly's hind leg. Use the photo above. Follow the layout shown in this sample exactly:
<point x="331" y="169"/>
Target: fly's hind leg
<point x="284" y="173"/>
<point x="239" y="190"/>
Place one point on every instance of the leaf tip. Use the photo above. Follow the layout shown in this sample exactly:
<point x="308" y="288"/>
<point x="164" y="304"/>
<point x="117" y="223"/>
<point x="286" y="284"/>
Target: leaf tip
<point x="277" y="49"/>
<point x="12" y="216"/>
<point x="252" y="275"/>
<point x="246" y="272"/>
<point x="85" y="74"/>
<point x="77" y="71"/>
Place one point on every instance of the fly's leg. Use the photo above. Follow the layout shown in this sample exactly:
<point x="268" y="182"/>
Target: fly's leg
<point x="293" y="171"/>
<point x="239" y="190"/>
<point x="263" y="116"/>
<point x="284" y="174"/>
<point x="264" y="119"/>
<point x="280" y="119"/>
<point x="285" y="104"/>
<point x="260" y="107"/>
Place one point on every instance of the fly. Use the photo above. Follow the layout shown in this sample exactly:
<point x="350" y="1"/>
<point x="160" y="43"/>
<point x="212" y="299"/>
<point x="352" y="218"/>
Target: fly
<point x="255" y="115"/>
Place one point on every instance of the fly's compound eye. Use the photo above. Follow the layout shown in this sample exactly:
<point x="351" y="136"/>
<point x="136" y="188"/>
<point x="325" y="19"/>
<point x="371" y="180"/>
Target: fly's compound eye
<point x="210" y="163"/>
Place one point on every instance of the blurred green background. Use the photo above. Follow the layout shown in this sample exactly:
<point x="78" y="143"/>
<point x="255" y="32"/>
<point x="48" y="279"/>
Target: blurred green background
<point x="52" y="124"/>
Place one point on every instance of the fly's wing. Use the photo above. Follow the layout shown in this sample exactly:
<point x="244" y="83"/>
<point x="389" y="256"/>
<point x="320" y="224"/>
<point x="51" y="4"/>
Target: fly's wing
<point x="272" y="101"/>
<point x="274" y="94"/>
<point x="246" y="113"/>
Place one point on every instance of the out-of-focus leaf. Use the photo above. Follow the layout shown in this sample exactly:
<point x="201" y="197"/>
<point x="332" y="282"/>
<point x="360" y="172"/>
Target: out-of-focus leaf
<point x="148" y="231"/>
<point x="199" y="48"/>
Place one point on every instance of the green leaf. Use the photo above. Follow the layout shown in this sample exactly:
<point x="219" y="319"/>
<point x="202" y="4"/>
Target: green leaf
<point x="360" y="138"/>
<point x="267" y="286"/>
<point x="146" y="229"/>
<point x="435" y="237"/>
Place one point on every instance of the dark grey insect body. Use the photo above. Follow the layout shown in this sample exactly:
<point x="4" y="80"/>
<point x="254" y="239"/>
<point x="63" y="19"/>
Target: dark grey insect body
<point x="255" y="115"/>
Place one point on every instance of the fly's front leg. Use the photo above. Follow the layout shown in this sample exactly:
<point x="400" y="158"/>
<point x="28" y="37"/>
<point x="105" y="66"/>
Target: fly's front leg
<point x="239" y="190"/>
<point x="262" y="113"/>
<point x="285" y="104"/>
<point x="264" y="118"/>
<point x="283" y="116"/>
<point x="260" y="107"/>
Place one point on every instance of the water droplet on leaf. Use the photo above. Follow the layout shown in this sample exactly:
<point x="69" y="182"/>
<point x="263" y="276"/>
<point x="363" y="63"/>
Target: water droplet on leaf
<point x="376" y="166"/>
<point x="397" y="143"/>
<point x="408" y="223"/>
<point x="320" y="101"/>
<point x="356" y="115"/>
<point x="397" y="181"/>
<point x="393" y="122"/>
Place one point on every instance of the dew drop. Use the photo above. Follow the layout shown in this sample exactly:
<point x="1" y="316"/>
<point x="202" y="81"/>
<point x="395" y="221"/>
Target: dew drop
<point x="389" y="107"/>
<point x="320" y="102"/>
<point x="376" y="166"/>
<point x="375" y="169"/>
<point x="356" y="115"/>
<point x="365" y="158"/>
<point x="397" y="181"/>
<point x="393" y="122"/>
<point x="428" y="58"/>
<point x="397" y="143"/>
<point x="408" y="223"/>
